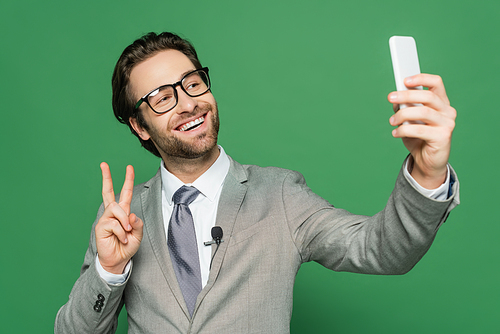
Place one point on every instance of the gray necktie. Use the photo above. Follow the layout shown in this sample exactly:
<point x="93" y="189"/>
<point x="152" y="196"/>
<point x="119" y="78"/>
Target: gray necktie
<point x="183" y="247"/>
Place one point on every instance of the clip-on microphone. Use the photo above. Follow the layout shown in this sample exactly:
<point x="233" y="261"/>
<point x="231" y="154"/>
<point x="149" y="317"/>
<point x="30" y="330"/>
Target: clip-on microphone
<point x="217" y="239"/>
<point x="216" y="235"/>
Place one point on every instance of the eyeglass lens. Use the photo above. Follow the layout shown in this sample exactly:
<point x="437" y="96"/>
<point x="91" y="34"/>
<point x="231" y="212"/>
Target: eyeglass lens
<point x="164" y="98"/>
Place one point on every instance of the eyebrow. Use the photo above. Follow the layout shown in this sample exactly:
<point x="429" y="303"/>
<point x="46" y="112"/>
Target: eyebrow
<point x="181" y="77"/>
<point x="184" y="74"/>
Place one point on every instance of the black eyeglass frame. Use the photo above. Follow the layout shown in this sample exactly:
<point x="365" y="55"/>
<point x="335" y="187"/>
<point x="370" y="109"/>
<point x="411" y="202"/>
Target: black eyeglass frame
<point x="174" y="85"/>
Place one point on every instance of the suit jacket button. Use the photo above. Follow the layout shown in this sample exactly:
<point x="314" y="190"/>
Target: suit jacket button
<point x="97" y="308"/>
<point x="100" y="303"/>
<point x="101" y="297"/>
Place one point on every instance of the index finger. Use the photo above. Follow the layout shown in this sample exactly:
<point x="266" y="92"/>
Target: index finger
<point x="108" y="194"/>
<point x="433" y="82"/>
<point x="127" y="190"/>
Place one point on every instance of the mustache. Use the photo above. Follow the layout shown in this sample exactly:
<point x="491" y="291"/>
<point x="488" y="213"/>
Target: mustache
<point x="201" y="109"/>
<point x="198" y="110"/>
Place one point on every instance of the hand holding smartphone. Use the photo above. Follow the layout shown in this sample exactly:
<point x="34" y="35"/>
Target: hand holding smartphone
<point x="429" y="145"/>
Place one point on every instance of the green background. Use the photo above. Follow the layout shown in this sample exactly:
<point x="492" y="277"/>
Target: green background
<point x="299" y="85"/>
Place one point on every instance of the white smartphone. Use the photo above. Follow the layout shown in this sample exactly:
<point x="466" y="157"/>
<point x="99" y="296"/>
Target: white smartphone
<point x="404" y="62"/>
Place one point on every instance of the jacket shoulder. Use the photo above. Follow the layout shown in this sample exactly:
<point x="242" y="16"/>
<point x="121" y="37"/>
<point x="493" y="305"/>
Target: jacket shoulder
<point x="254" y="173"/>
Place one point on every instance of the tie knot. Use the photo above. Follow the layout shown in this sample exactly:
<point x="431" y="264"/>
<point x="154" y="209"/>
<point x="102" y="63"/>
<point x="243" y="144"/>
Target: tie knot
<point x="185" y="195"/>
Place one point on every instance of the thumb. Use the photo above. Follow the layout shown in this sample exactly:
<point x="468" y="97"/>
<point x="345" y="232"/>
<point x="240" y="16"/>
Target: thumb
<point x="136" y="224"/>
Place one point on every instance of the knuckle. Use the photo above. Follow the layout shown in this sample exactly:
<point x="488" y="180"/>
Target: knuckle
<point x="451" y="126"/>
<point x="114" y="223"/>
<point x="428" y="96"/>
<point x="427" y="112"/>
<point x="106" y="224"/>
<point x="111" y="224"/>
<point x="448" y="137"/>
<point x="99" y="226"/>
<point x="445" y="132"/>
<point x="107" y="191"/>
<point x="438" y="79"/>
<point x="419" y="130"/>
<point x="453" y="113"/>
<point x="114" y="207"/>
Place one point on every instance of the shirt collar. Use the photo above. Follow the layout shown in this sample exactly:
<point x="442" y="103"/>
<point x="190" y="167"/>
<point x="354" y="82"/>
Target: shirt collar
<point x="208" y="183"/>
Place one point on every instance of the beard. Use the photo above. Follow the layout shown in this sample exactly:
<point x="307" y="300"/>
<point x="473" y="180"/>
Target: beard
<point x="172" y="146"/>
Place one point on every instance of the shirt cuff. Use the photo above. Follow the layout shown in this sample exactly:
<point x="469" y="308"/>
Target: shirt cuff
<point x="440" y="193"/>
<point x="112" y="278"/>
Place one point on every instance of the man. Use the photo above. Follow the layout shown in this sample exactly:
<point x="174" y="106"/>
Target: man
<point x="147" y="247"/>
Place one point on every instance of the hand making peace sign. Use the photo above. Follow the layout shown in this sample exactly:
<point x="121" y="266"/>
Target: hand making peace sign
<point x="118" y="232"/>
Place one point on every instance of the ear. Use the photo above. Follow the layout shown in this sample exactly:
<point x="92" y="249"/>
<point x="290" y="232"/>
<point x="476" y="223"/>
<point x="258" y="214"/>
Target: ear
<point x="137" y="128"/>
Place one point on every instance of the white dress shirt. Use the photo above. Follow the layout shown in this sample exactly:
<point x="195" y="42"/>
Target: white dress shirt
<point x="204" y="209"/>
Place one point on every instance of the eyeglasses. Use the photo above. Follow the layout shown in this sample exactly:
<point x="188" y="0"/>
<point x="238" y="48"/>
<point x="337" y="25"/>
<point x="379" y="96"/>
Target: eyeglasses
<point x="164" y="98"/>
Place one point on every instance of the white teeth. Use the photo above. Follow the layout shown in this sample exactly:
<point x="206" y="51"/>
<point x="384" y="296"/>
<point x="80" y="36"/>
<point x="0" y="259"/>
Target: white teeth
<point x="192" y="123"/>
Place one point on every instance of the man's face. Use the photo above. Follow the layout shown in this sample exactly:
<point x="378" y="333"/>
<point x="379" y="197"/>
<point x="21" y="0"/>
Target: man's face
<point x="171" y="132"/>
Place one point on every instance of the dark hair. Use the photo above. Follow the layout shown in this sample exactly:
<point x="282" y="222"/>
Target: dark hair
<point x="140" y="50"/>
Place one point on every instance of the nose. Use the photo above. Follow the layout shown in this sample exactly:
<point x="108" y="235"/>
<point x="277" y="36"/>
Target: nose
<point x="185" y="103"/>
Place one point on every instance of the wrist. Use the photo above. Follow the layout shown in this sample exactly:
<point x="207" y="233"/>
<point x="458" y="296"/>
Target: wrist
<point x="116" y="269"/>
<point x="427" y="179"/>
<point x="110" y="278"/>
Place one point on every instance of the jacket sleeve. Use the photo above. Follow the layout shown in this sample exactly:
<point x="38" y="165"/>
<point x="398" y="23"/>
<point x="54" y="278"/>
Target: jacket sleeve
<point x="93" y="305"/>
<point x="390" y="242"/>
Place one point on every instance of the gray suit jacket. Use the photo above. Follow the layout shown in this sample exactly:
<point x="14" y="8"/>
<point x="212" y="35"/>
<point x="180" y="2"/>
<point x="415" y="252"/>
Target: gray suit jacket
<point x="272" y="223"/>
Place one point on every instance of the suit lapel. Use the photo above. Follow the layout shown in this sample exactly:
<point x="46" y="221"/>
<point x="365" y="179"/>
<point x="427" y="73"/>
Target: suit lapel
<point x="155" y="230"/>
<point x="232" y="195"/>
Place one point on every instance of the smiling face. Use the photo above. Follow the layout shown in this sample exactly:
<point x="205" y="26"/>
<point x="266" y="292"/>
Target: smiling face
<point x="187" y="131"/>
